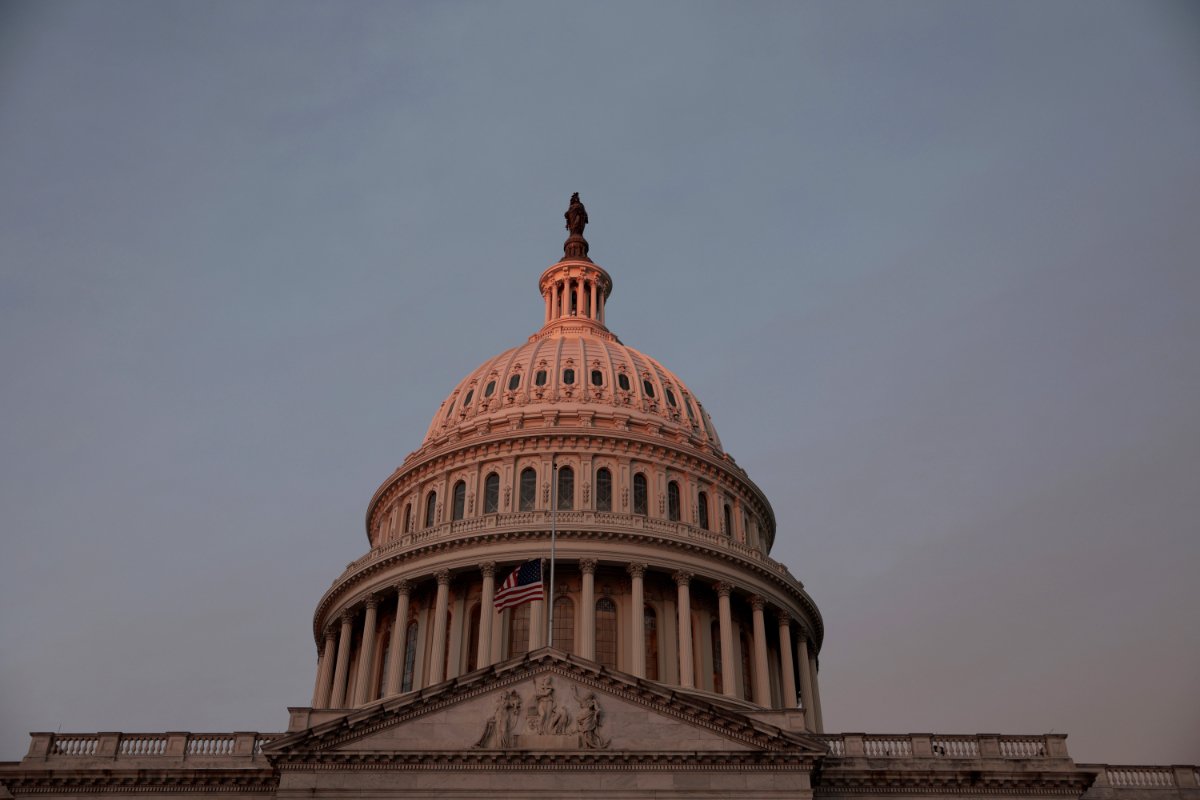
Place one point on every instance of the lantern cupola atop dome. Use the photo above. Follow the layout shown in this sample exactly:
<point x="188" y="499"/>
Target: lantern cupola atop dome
<point x="575" y="289"/>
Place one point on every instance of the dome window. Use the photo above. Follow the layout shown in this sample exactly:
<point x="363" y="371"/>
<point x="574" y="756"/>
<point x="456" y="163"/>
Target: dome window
<point x="489" y="389"/>
<point x="640" y="504"/>
<point x="673" y="501"/>
<point x="702" y="510"/>
<point x="540" y="378"/>
<point x="597" y="378"/>
<point x="450" y="410"/>
<point x="491" y="494"/>
<point x="468" y="398"/>
<point x="623" y="381"/>
<point x="568" y="376"/>
<point x="566" y="488"/>
<point x="603" y="489"/>
<point x="670" y="398"/>
<point x="528" y="494"/>
<point x="688" y="407"/>
<point x="514" y="382"/>
<point x="648" y="388"/>
<point x="458" y="502"/>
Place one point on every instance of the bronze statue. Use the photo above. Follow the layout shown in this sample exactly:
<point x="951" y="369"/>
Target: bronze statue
<point x="576" y="216"/>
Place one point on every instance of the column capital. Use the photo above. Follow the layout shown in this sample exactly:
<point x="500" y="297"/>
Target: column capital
<point x="403" y="587"/>
<point x="330" y="634"/>
<point x="783" y="618"/>
<point x="723" y="588"/>
<point x="488" y="569"/>
<point x="682" y="578"/>
<point x="757" y="602"/>
<point x="636" y="569"/>
<point x="347" y="617"/>
<point x="372" y="601"/>
<point x="588" y="566"/>
<point x="443" y="577"/>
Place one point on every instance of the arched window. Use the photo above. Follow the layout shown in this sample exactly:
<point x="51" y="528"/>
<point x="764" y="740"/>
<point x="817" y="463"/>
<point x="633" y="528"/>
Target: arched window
<point x="473" y="638"/>
<point x="460" y="500"/>
<point x="528" y="496"/>
<point x="566" y="488"/>
<point x="673" y="501"/>
<point x="430" y="509"/>
<point x="639" y="493"/>
<point x="410" y="657"/>
<point x="407" y="517"/>
<point x="603" y="489"/>
<point x="606" y="632"/>
<point x="650" y="625"/>
<point x="702" y="510"/>
<point x="728" y="520"/>
<point x="518" y="630"/>
<point x="718" y="679"/>
<point x="747" y="670"/>
<point x="623" y="381"/>
<point x="564" y="624"/>
<point x="385" y="660"/>
<point x="491" y="494"/>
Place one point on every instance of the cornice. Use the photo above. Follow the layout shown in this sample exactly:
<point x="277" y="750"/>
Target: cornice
<point x="183" y="780"/>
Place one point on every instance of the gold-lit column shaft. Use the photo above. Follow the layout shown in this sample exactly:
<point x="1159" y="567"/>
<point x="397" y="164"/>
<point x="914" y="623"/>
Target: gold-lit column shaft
<point x="399" y="643"/>
<point x="637" y="619"/>
<point x="787" y="668"/>
<point x="325" y="671"/>
<point x="338" y="698"/>
<point x="587" y="630"/>
<point x="441" y="610"/>
<point x="487" y="614"/>
<point x="687" y="672"/>
<point x="725" y="618"/>
<point x="762" y="681"/>
<point x="806" y="690"/>
<point x="366" y="653"/>
<point x="592" y="313"/>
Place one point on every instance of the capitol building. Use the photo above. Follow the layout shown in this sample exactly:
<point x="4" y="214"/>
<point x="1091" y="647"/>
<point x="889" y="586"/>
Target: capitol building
<point x="668" y="654"/>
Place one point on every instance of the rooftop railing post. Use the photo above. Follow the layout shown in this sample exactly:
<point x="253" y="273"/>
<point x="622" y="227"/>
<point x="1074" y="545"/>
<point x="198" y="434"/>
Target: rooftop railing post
<point x="176" y="743"/>
<point x="39" y="745"/>
<point x="922" y="745"/>
<point x="989" y="745"/>
<point x="854" y="744"/>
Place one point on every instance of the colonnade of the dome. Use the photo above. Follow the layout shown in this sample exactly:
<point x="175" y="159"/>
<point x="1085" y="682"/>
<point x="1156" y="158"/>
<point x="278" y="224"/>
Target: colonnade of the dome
<point x="575" y="289"/>
<point x="699" y="630"/>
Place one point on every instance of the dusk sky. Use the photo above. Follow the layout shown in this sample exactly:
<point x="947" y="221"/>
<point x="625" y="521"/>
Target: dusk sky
<point x="934" y="269"/>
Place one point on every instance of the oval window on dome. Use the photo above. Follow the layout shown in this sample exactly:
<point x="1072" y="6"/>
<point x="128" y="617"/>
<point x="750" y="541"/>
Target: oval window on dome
<point x="597" y="378"/>
<point x="467" y="399"/>
<point x="688" y="407"/>
<point x="540" y="378"/>
<point x="487" y="390"/>
<point x="568" y="376"/>
<point x="648" y="387"/>
<point x="450" y="410"/>
<point x="670" y="398"/>
<point x="623" y="381"/>
<point x="514" y="381"/>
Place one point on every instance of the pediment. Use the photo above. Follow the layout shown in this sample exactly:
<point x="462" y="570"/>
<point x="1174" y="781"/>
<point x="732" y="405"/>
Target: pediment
<point x="546" y="702"/>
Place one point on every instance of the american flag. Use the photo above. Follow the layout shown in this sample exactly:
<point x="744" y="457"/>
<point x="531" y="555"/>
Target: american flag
<point x="523" y="585"/>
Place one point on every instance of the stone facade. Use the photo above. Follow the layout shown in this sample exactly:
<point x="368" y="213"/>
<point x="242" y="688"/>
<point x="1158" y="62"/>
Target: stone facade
<point x="670" y="657"/>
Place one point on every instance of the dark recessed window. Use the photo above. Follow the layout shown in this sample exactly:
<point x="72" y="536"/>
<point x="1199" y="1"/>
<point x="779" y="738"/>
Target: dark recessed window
<point x="670" y="398"/>
<point x="450" y="410"/>
<point x="640" y="503"/>
<point x="673" y="501"/>
<point x="528" y="493"/>
<point x="491" y="494"/>
<point x="623" y="381"/>
<point x="597" y="378"/>
<point x="603" y="490"/>
<point x="688" y="407"/>
<point x="568" y="376"/>
<point x="514" y="382"/>
<point x="467" y="399"/>
<point x="566" y="488"/>
<point x="540" y="378"/>
<point x="487" y="390"/>
<point x="648" y="388"/>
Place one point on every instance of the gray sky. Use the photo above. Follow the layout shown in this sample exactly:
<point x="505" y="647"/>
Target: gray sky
<point x="932" y="268"/>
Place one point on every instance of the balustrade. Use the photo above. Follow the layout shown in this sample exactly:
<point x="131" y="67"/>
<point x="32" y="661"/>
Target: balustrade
<point x="1022" y="746"/>
<point x="135" y="745"/>
<point x="1140" y="777"/>
<point x="876" y="746"/>
<point x="956" y="746"/>
<point x="153" y="745"/>
<point x="210" y="745"/>
<point x="75" y="745"/>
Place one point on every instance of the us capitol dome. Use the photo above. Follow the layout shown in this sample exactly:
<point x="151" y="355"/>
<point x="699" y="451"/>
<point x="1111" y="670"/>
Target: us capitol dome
<point x="662" y="543"/>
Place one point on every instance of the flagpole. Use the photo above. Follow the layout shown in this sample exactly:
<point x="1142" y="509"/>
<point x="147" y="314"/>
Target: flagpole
<point x="553" y="542"/>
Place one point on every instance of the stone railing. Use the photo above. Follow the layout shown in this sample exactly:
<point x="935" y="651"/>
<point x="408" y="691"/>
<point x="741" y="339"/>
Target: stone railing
<point x="130" y="746"/>
<point x="1121" y="776"/>
<point x="925" y="745"/>
<point x="607" y="521"/>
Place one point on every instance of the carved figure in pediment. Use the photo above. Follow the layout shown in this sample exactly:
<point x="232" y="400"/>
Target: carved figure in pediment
<point x="544" y="716"/>
<point x="588" y="721"/>
<point x="499" y="731"/>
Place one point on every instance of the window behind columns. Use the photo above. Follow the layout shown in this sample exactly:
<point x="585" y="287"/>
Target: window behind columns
<point x="702" y="509"/>
<point x="639" y="494"/>
<point x="410" y="657"/>
<point x="673" y="501"/>
<point x="430" y="509"/>
<point x="384" y="648"/>
<point x="714" y="631"/>
<point x="491" y="494"/>
<point x="528" y="493"/>
<point x="518" y="630"/>
<point x="473" y="638"/>
<point x="603" y="490"/>
<point x="460" y="500"/>
<point x="650" y="624"/>
<point x="566" y="488"/>
<point x="407" y="518"/>
<point x="747" y="669"/>
<point x="564" y="624"/>
<point x="606" y="632"/>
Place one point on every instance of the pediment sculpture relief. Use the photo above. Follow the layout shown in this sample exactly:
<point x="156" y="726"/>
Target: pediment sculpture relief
<point x="545" y="725"/>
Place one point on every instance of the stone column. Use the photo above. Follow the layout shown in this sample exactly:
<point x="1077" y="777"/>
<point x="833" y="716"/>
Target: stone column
<point x="687" y="672"/>
<point x="592" y="304"/>
<point x="537" y="624"/>
<point x="806" y="698"/>
<point x="587" y="599"/>
<point x="566" y="298"/>
<point x="487" y="614"/>
<point x="338" y="698"/>
<point x="637" y="619"/>
<point x="555" y="305"/>
<point x="762" y="681"/>
<point x="548" y="294"/>
<point x="325" y="671"/>
<point x="816" y="694"/>
<point x="366" y="653"/>
<point x="579" y="297"/>
<point x="399" y="643"/>
<point x="441" y="610"/>
<point x="787" y="668"/>
<point x="725" y="617"/>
